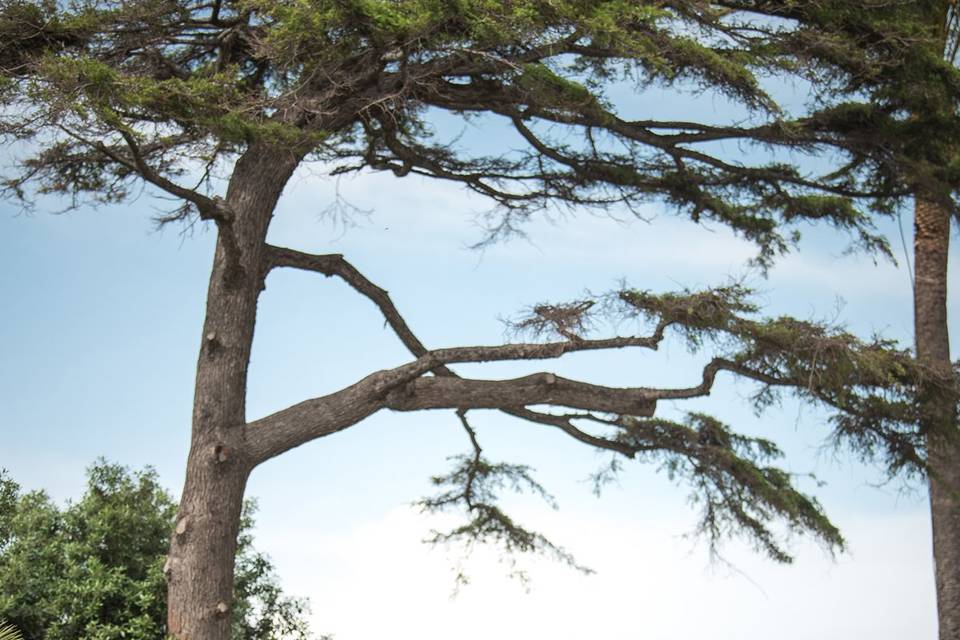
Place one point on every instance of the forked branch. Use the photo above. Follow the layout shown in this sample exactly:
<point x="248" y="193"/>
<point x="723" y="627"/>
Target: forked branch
<point x="867" y="384"/>
<point x="335" y="264"/>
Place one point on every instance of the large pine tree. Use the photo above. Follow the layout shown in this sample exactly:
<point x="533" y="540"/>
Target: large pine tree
<point x="102" y="96"/>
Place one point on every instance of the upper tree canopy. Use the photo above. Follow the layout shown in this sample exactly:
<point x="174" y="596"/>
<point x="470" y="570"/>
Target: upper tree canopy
<point x="109" y="93"/>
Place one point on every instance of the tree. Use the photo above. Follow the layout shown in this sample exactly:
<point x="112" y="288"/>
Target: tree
<point x="911" y="115"/>
<point x="94" y="569"/>
<point x="933" y="211"/>
<point x="103" y="95"/>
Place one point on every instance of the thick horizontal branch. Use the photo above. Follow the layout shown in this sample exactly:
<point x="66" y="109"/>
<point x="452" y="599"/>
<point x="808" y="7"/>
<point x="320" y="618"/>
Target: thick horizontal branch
<point x="317" y="417"/>
<point x="402" y="389"/>
<point x="539" y="388"/>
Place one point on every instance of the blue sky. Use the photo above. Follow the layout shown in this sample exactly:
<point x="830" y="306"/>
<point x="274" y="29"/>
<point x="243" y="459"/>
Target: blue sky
<point x="98" y="342"/>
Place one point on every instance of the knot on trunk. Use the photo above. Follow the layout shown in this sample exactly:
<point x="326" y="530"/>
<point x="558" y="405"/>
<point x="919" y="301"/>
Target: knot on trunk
<point x="220" y="453"/>
<point x="210" y="341"/>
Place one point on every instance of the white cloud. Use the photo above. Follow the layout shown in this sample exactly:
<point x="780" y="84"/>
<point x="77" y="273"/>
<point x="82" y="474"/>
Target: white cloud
<point x="406" y="213"/>
<point x="377" y="580"/>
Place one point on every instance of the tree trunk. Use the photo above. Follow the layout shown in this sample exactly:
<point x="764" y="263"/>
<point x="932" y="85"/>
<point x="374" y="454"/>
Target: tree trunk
<point x="201" y="561"/>
<point x="938" y="417"/>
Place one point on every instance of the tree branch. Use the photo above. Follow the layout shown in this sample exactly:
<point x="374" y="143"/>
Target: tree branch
<point x="402" y="389"/>
<point x="538" y="388"/>
<point x="565" y="424"/>
<point x="317" y="417"/>
<point x="209" y="208"/>
<point x="336" y="265"/>
<point x="710" y="372"/>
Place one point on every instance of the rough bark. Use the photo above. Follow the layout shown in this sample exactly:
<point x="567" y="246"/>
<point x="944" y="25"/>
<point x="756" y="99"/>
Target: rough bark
<point x="200" y="564"/>
<point x="931" y="244"/>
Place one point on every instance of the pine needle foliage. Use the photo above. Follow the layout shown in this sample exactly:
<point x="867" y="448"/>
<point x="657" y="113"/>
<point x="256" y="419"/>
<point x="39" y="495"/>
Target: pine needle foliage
<point x="9" y="632"/>
<point x="868" y="388"/>
<point x="110" y="93"/>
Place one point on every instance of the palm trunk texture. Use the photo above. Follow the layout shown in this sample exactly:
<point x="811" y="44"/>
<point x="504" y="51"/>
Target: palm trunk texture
<point x="931" y="244"/>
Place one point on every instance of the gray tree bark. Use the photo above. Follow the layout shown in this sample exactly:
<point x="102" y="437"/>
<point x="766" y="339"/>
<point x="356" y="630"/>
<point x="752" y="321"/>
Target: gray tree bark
<point x="201" y="560"/>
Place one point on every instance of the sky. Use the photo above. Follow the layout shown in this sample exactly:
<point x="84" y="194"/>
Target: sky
<point x="98" y="342"/>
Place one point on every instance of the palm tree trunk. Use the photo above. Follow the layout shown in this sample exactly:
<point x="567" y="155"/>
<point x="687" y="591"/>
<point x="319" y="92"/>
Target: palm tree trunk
<point x="938" y="411"/>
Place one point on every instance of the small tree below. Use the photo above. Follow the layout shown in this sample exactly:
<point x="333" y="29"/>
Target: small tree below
<point x="93" y="569"/>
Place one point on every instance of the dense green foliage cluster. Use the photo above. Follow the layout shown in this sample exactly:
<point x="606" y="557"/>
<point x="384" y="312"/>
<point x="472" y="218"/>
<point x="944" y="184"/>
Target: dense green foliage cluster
<point x="111" y="91"/>
<point x="93" y="570"/>
<point x="867" y="387"/>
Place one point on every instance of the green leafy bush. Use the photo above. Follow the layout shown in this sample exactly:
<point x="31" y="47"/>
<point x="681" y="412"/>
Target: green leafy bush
<point x="93" y="570"/>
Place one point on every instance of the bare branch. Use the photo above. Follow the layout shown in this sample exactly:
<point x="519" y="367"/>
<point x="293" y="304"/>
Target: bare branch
<point x="336" y="265"/>
<point x="475" y="461"/>
<point x="403" y="389"/>
<point x="710" y="372"/>
<point x="565" y="424"/>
